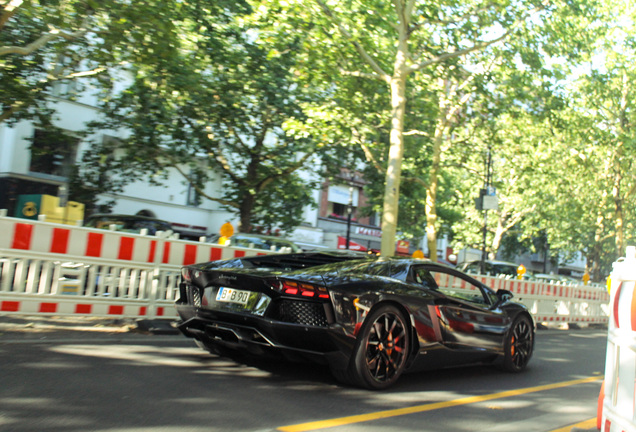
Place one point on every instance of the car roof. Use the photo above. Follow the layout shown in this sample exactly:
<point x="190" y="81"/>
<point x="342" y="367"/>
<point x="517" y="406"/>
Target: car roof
<point x="261" y="236"/>
<point x="124" y="216"/>
<point x="493" y="262"/>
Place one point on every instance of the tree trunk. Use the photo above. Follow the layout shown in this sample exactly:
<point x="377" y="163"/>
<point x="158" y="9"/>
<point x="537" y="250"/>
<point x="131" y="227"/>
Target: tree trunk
<point x="246" y="208"/>
<point x="618" y="170"/>
<point x="597" y="245"/>
<point x="396" y="152"/>
<point x="499" y="233"/>
<point x="618" y="215"/>
<point x="431" y="190"/>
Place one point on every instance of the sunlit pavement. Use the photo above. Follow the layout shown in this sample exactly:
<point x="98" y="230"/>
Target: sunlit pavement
<point x="37" y="327"/>
<point x="16" y="329"/>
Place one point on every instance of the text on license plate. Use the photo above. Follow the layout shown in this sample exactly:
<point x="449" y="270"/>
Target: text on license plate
<point x="232" y="295"/>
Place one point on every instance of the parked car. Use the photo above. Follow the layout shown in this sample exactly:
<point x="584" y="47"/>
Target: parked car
<point x="127" y="223"/>
<point x="503" y="269"/>
<point x="556" y="278"/>
<point x="258" y="241"/>
<point x="370" y="319"/>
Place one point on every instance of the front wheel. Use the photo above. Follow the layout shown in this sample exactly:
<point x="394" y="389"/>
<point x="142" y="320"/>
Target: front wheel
<point x="381" y="350"/>
<point x="518" y="345"/>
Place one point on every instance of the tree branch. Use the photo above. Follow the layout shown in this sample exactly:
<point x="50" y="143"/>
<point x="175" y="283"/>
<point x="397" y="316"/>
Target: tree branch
<point x="361" y="75"/>
<point x="415" y="132"/>
<point x="459" y="19"/>
<point x="476" y="47"/>
<point x="83" y="74"/>
<point x="9" y="11"/>
<point x="202" y="192"/>
<point x="348" y="36"/>
<point x="47" y="37"/>
<point x="218" y="156"/>
<point x="459" y="53"/>
<point x="284" y="173"/>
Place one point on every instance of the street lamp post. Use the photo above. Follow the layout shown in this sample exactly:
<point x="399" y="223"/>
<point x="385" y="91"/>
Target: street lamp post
<point x="349" y="211"/>
<point x="486" y="193"/>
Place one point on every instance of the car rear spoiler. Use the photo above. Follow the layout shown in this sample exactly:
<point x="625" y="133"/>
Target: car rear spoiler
<point x="294" y="261"/>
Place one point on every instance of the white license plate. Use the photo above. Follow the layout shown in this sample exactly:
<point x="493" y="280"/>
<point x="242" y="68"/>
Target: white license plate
<point x="231" y="295"/>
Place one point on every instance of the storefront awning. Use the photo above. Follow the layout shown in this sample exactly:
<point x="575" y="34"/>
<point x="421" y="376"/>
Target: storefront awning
<point x="342" y="244"/>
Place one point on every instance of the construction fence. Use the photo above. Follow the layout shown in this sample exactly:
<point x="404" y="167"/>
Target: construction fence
<point x="54" y="269"/>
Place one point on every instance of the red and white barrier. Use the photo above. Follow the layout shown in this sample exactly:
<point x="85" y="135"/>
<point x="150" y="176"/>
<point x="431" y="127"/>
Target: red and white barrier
<point x="42" y="237"/>
<point x="54" y="269"/>
<point x="617" y="413"/>
<point x="51" y="268"/>
<point x="556" y="303"/>
<point x="68" y="306"/>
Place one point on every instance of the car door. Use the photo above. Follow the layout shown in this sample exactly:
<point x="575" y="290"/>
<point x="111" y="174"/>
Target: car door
<point x="464" y="311"/>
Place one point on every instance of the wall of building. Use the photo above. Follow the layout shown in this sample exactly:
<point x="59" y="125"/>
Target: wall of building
<point x="168" y="202"/>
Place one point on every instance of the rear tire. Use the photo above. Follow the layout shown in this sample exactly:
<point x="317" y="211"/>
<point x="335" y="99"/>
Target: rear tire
<point x="381" y="351"/>
<point x="519" y="345"/>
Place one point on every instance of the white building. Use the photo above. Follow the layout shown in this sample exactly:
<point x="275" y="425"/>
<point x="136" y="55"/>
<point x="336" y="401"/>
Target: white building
<point x="24" y="171"/>
<point x="27" y="167"/>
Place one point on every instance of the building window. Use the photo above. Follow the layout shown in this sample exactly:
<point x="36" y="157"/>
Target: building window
<point x="53" y="152"/>
<point x="343" y="194"/>
<point x="339" y="198"/>
<point x="65" y="87"/>
<point x="194" y="196"/>
<point x="374" y="219"/>
<point x="339" y="211"/>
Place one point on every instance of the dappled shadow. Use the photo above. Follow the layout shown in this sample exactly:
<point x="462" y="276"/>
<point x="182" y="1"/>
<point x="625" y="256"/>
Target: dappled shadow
<point x="175" y="386"/>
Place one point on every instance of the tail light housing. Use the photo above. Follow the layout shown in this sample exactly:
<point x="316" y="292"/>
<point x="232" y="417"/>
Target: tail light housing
<point x="300" y="289"/>
<point x="186" y="274"/>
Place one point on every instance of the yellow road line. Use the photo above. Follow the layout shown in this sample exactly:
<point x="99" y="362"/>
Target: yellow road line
<point x="323" y="424"/>
<point x="587" y="424"/>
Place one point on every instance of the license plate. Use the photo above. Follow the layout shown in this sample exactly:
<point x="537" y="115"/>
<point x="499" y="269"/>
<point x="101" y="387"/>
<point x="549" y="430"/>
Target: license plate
<point x="231" y="295"/>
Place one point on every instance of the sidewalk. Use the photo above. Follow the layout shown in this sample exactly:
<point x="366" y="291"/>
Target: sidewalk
<point x="29" y="326"/>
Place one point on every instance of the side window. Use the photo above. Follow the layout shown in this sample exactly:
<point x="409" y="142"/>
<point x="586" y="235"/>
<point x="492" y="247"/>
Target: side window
<point x="475" y="268"/>
<point x="470" y="268"/>
<point x="422" y="277"/>
<point x="53" y="152"/>
<point x="453" y="285"/>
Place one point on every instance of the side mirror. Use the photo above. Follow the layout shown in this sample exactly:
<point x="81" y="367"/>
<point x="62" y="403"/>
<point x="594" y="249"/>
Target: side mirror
<point x="502" y="297"/>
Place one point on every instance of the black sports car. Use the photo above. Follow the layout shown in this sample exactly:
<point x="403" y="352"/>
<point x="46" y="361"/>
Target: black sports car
<point x="370" y="319"/>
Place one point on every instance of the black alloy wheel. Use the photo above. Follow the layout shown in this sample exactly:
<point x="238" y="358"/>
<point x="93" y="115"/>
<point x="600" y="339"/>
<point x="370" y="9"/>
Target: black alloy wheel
<point x="519" y="345"/>
<point x="382" y="348"/>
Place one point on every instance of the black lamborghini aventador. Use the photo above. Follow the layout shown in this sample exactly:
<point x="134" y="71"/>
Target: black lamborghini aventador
<point x="370" y="319"/>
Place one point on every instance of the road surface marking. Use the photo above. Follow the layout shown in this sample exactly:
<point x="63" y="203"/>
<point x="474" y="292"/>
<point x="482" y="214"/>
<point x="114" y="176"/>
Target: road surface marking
<point x="323" y="424"/>
<point x="587" y="424"/>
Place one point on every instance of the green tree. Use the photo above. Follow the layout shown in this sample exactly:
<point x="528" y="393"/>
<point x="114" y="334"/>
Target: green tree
<point x="393" y="41"/>
<point x="600" y="147"/>
<point x="44" y="43"/>
<point x="234" y="109"/>
<point x="32" y="41"/>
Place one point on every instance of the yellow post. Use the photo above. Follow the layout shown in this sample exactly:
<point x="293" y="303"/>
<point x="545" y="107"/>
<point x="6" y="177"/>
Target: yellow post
<point x="521" y="270"/>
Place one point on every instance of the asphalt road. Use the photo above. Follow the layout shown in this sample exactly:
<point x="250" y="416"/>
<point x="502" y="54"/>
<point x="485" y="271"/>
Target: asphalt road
<point x="107" y="378"/>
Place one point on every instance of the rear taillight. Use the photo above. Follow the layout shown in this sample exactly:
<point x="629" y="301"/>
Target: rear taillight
<point x="186" y="274"/>
<point x="300" y="289"/>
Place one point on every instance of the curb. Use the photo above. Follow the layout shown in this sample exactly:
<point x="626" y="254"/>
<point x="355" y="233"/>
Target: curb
<point x="34" y="324"/>
<point x="158" y="327"/>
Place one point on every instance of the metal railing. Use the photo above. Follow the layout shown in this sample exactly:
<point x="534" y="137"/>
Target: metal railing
<point x="54" y="269"/>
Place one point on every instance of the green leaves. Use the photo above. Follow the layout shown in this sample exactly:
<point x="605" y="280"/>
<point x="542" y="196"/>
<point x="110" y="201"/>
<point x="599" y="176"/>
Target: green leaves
<point x="226" y="103"/>
<point x="248" y="93"/>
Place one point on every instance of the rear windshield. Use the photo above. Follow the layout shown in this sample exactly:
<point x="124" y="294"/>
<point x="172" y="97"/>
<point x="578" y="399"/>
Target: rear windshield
<point x="362" y="266"/>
